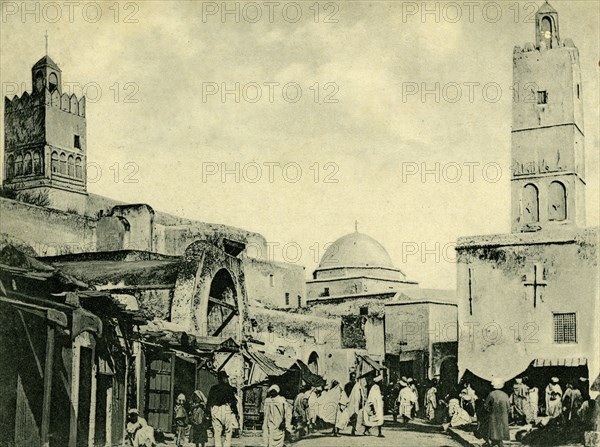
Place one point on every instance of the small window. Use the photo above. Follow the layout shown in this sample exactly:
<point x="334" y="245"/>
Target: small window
<point x="287" y="299"/>
<point x="71" y="166"/>
<point x="565" y="328"/>
<point x="326" y="291"/>
<point x="63" y="164"/>
<point x="542" y="97"/>
<point x="578" y="91"/>
<point x="299" y="301"/>
<point x="27" y="164"/>
<point x="364" y="310"/>
<point x="19" y="165"/>
<point x="78" y="168"/>
<point x="37" y="166"/>
<point x="54" y="163"/>
<point x="272" y="280"/>
<point x="77" y="141"/>
<point x="10" y="167"/>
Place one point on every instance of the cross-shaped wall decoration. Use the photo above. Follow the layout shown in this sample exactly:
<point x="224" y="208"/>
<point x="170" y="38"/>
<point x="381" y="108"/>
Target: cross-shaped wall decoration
<point x="470" y="294"/>
<point x="535" y="280"/>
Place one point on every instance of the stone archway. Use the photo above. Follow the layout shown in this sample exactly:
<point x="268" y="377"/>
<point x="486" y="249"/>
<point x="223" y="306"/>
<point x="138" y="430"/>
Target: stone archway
<point x="222" y="306"/>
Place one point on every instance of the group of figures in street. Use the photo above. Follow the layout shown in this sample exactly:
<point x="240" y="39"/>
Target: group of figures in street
<point x="218" y="412"/>
<point x="569" y="412"/>
<point x="359" y="405"/>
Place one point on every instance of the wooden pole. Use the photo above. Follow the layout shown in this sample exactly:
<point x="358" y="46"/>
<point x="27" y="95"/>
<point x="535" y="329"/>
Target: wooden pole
<point x="47" y="400"/>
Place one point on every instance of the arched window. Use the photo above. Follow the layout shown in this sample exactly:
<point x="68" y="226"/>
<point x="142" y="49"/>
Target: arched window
<point x="78" y="168"/>
<point x="52" y="82"/>
<point x="557" y="201"/>
<point x="54" y="163"/>
<point x="63" y="164"/>
<point x="37" y="166"/>
<point x="531" y="208"/>
<point x="27" y="166"/>
<point x="71" y="166"/>
<point x="39" y="81"/>
<point x="19" y="165"/>
<point x="546" y="30"/>
<point x="10" y="166"/>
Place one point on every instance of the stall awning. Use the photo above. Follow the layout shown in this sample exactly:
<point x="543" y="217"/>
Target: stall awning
<point x="573" y="362"/>
<point x="308" y="376"/>
<point x="367" y="365"/>
<point x="216" y="344"/>
<point x="267" y="363"/>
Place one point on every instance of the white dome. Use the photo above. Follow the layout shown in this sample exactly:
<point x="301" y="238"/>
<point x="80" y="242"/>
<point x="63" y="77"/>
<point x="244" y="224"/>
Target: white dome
<point x="356" y="250"/>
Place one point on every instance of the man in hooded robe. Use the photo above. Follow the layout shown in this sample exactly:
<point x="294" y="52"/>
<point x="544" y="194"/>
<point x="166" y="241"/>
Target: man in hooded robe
<point x="138" y="431"/>
<point x="277" y="418"/>
<point x="553" y="398"/>
<point x="332" y="406"/>
<point x="406" y="402"/>
<point x="313" y="405"/>
<point x="357" y="400"/>
<point x="520" y="401"/>
<point x="431" y="400"/>
<point x="373" y="411"/>
<point x="497" y="407"/>
<point x="300" y="411"/>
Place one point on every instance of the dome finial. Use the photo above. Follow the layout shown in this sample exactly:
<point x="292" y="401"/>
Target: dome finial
<point x="46" y="36"/>
<point x="356" y="226"/>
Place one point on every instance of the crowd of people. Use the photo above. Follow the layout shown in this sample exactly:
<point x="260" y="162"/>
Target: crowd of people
<point x="358" y="406"/>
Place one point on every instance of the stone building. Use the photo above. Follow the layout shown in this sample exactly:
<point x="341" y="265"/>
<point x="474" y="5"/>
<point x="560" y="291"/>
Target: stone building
<point x="45" y="148"/>
<point x="529" y="300"/>
<point x="354" y="266"/>
<point x="383" y="314"/>
<point x="46" y="205"/>
<point x="192" y="280"/>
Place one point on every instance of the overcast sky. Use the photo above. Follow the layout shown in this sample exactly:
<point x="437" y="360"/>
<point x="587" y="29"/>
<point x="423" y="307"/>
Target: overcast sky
<point x="357" y="135"/>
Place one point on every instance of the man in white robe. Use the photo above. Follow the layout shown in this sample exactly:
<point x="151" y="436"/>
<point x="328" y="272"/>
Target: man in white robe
<point x="406" y="400"/>
<point x="553" y="398"/>
<point x="358" y="398"/>
<point x="278" y="418"/>
<point x="373" y="411"/>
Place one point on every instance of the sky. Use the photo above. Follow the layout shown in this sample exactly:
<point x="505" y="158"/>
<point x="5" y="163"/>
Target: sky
<point x="302" y="120"/>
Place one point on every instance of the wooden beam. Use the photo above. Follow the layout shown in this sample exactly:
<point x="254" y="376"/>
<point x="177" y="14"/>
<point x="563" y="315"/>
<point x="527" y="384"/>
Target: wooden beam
<point x="172" y="393"/>
<point x="225" y="322"/>
<point x="31" y="345"/>
<point x="47" y="399"/>
<point x="225" y="362"/>
<point x="221" y="303"/>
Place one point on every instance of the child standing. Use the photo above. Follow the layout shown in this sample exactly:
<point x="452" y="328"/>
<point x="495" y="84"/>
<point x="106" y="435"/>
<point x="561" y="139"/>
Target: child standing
<point x="181" y="421"/>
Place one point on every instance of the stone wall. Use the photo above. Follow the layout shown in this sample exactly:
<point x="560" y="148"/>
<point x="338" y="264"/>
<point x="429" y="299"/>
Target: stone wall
<point x="49" y="232"/>
<point x="269" y="282"/>
<point x="505" y="323"/>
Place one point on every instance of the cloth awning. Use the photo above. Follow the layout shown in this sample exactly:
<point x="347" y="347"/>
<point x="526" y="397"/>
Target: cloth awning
<point x="573" y="362"/>
<point x="367" y="365"/>
<point x="308" y="376"/>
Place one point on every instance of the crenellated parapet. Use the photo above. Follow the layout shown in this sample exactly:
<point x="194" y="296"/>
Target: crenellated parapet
<point x="528" y="47"/>
<point x="65" y="102"/>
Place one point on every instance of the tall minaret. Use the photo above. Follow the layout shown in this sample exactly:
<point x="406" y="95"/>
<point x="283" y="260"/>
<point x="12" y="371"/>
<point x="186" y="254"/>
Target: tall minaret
<point x="45" y="144"/>
<point x="548" y="167"/>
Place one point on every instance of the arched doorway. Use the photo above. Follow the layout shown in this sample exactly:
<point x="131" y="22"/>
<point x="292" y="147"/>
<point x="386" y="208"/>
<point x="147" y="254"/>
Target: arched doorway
<point x="313" y="362"/>
<point x="448" y="375"/>
<point x="222" y="306"/>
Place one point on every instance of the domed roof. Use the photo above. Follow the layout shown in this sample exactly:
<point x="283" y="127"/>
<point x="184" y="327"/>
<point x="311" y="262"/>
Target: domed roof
<point x="356" y="250"/>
